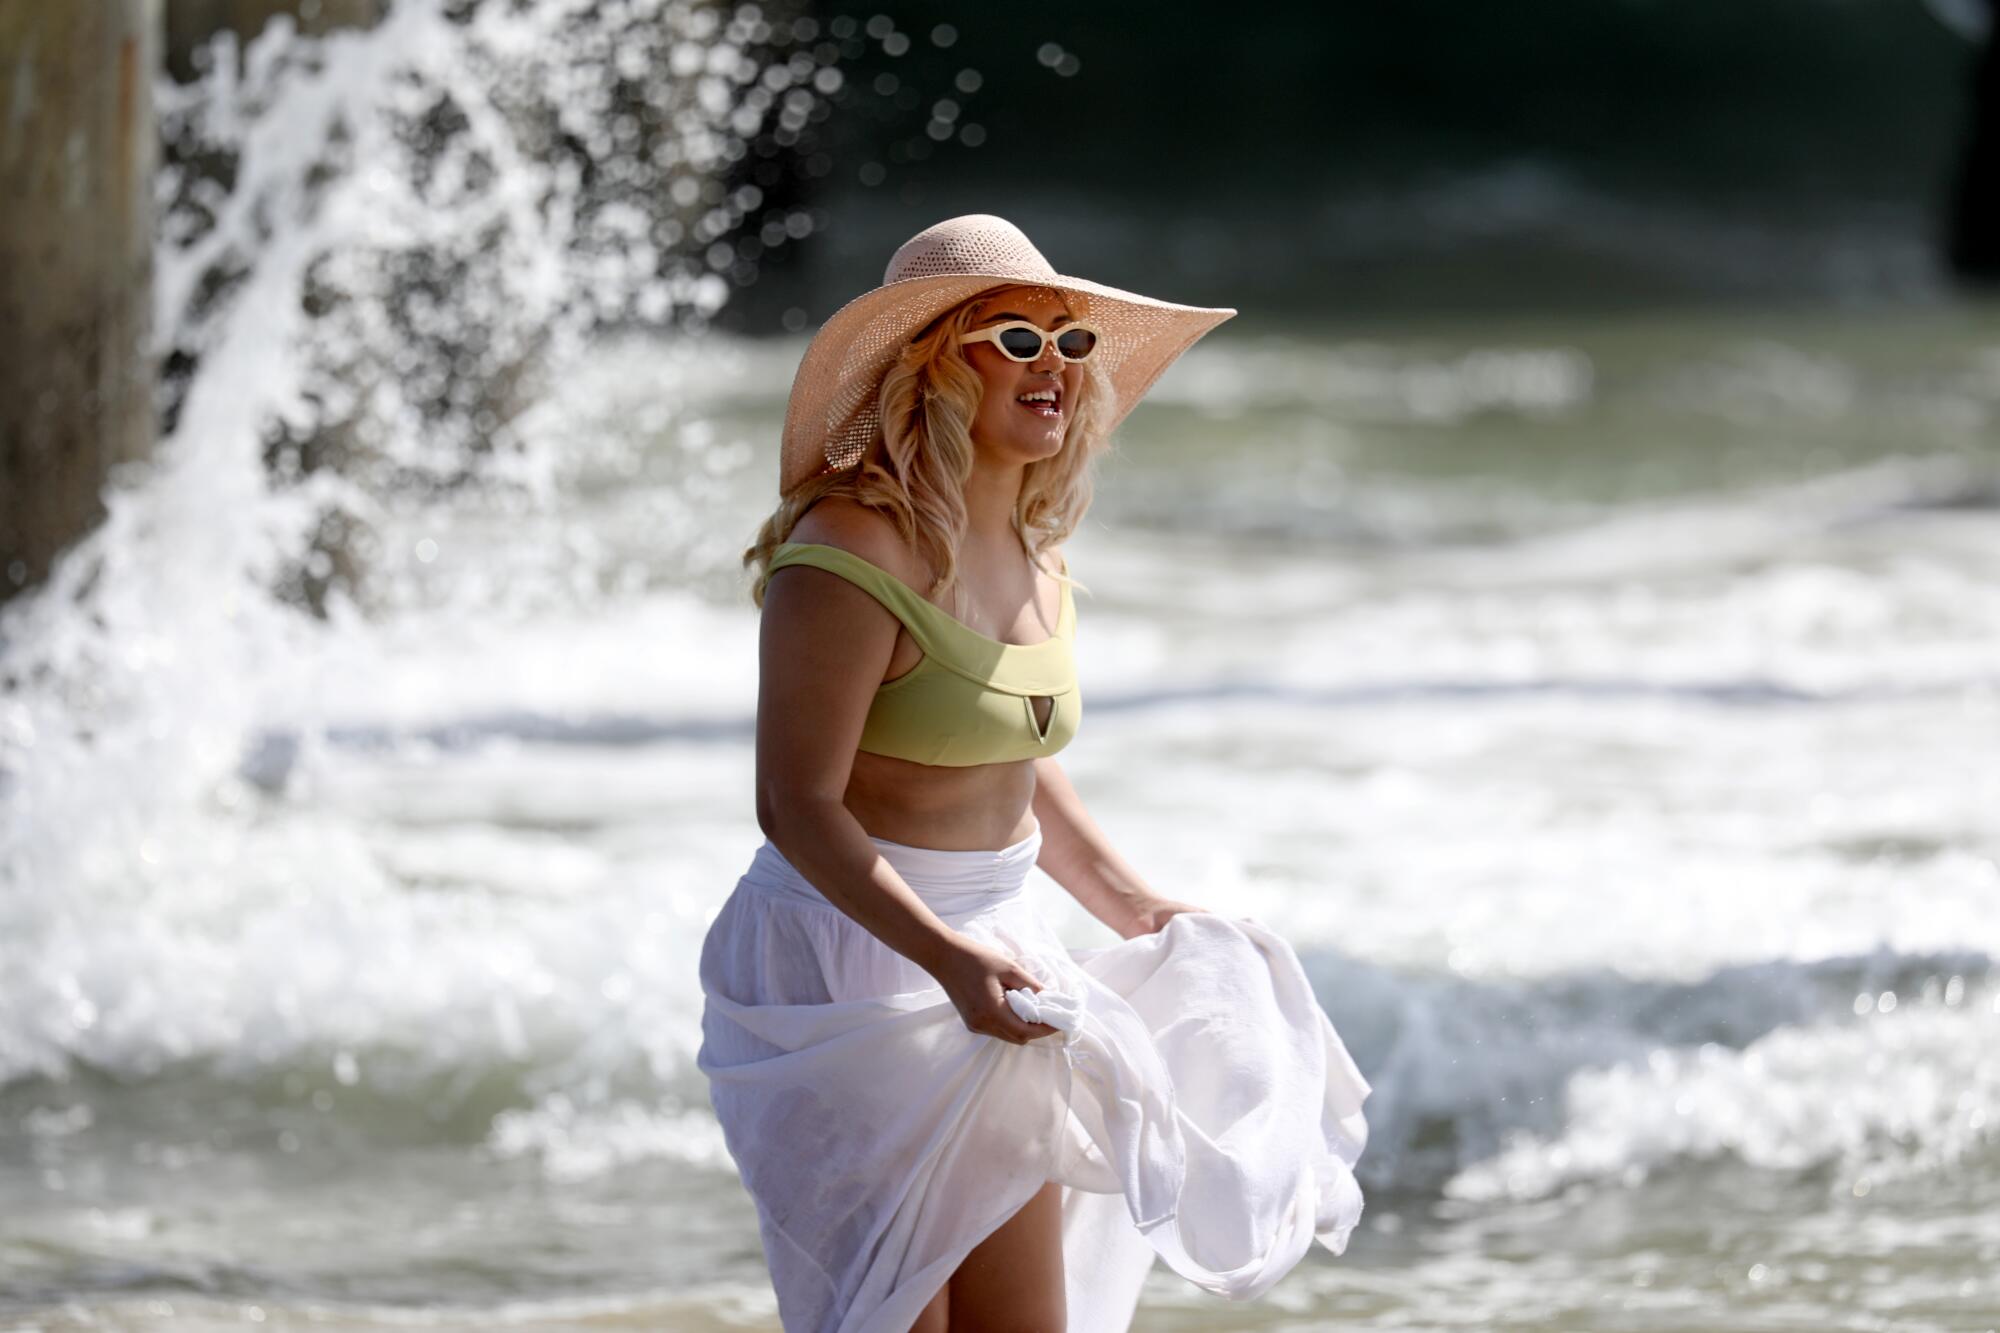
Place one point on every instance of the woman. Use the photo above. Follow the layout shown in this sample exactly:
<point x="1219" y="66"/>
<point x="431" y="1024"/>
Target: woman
<point x="946" y="1118"/>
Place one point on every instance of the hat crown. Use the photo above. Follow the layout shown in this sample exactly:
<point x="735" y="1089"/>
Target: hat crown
<point x="977" y="243"/>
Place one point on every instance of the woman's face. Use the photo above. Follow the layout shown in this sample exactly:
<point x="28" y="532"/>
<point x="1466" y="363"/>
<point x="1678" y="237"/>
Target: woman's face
<point x="1005" y="427"/>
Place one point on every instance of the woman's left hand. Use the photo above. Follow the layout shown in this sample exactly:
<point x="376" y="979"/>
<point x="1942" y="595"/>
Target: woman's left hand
<point x="1153" y="914"/>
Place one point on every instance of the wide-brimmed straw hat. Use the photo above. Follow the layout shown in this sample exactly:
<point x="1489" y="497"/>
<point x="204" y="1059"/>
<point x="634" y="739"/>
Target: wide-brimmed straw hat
<point x="832" y="417"/>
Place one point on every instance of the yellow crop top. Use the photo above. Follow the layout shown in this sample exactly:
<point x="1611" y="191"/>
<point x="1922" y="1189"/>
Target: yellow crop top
<point x="970" y="700"/>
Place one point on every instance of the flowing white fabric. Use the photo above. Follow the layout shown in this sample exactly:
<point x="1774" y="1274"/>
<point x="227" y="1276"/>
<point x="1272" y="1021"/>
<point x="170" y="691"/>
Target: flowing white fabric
<point x="1196" y="1104"/>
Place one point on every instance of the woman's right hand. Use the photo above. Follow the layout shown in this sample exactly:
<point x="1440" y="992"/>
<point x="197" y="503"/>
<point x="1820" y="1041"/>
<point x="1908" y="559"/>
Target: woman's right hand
<point x="977" y="977"/>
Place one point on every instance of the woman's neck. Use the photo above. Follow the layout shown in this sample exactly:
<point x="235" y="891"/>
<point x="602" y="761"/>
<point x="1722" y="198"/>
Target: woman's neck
<point x="991" y="494"/>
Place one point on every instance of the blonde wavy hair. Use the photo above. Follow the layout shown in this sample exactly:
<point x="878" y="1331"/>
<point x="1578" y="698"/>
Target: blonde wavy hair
<point x="916" y="468"/>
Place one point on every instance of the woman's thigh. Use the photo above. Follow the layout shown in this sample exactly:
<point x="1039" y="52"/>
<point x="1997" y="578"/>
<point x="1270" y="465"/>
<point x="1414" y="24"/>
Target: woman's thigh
<point x="1012" y="1282"/>
<point x="932" y="1320"/>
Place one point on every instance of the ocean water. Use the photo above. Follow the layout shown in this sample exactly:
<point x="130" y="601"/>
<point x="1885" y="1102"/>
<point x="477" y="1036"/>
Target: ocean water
<point x="1607" y="707"/>
<point x="1607" y="710"/>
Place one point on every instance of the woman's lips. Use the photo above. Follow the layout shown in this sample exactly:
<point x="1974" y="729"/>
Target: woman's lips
<point x="1048" y="404"/>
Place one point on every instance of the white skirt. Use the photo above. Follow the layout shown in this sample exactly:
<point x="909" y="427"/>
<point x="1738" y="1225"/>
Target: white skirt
<point x="1199" y="1106"/>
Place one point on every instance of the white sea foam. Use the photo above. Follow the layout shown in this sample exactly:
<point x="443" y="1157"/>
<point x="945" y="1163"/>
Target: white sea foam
<point x="1877" y="1099"/>
<point x="573" y="1143"/>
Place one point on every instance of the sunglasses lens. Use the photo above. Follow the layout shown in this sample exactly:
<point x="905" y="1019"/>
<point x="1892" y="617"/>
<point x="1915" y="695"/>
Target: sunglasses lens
<point x="1076" y="344"/>
<point x="1021" y="344"/>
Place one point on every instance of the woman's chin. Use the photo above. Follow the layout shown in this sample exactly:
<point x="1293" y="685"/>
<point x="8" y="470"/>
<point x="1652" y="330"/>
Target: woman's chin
<point x="1028" y="442"/>
<point x="1037" y="443"/>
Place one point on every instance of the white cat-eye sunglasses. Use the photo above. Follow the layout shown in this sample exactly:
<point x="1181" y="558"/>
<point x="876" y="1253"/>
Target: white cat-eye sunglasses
<point x="1019" y="340"/>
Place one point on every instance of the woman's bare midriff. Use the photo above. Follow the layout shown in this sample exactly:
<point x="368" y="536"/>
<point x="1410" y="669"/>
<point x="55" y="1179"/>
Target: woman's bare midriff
<point x="979" y="807"/>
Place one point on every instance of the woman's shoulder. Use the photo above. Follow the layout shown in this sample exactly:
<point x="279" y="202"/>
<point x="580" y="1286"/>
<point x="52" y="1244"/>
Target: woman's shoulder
<point x="853" y="527"/>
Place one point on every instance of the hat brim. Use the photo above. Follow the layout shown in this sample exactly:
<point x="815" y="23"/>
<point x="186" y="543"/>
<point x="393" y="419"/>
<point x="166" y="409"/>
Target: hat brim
<point x="832" y="418"/>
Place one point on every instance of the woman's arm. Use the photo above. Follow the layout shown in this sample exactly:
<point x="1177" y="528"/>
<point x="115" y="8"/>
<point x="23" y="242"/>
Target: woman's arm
<point x="823" y="644"/>
<point x="1076" y="854"/>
